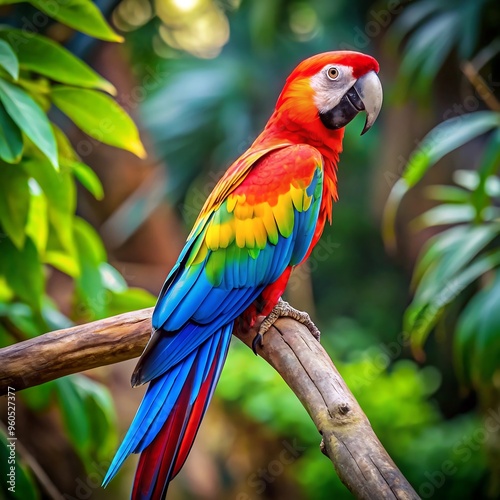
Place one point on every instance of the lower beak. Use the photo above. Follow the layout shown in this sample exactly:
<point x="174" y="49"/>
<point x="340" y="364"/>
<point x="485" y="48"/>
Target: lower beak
<point x="365" y="95"/>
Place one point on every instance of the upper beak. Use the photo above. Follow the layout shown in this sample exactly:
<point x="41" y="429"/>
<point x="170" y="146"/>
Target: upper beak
<point x="369" y="90"/>
<point x="365" y="95"/>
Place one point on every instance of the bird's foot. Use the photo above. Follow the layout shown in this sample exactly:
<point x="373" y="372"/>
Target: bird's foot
<point x="283" y="309"/>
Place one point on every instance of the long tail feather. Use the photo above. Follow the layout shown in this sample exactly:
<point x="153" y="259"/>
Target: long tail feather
<point x="169" y="417"/>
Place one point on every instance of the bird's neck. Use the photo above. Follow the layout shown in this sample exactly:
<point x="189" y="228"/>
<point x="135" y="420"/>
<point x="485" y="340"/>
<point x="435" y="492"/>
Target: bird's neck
<point x="314" y="133"/>
<point x="279" y="129"/>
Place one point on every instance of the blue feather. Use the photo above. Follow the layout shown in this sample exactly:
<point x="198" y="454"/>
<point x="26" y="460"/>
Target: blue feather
<point x="163" y="392"/>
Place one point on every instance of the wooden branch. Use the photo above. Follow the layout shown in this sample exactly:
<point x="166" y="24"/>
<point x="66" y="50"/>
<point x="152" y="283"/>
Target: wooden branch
<point x="480" y="85"/>
<point x="348" y="439"/>
<point x="72" y="350"/>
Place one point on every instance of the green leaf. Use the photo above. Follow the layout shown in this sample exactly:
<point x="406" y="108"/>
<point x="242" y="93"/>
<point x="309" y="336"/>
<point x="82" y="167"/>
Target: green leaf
<point x="59" y="188"/>
<point x="444" y="138"/>
<point x="88" y="178"/>
<point x="492" y="186"/>
<point x="426" y="51"/>
<point x="23" y="271"/>
<point x="448" y="194"/>
<point x="40" y="397"/>
<point x="14" y="203"/>
<point x="37" y="227"/>
<point x="410" y="18"/>
<point x="467" y="179"/>
<point x="452" y="260"/>
<point x="61" y="259"/>
<point x="44" y="56"/>
<point x="487" y="353"/>
<point x="24" y="319"/>
<point x="464" y="340"/>
<point x="99" y="116"/>
<point x="397" y="193"/>
<point x="447" y="137"/>
<point x="30" y="118"/>
<point x="8" y="60"/>
<point x="54" y="318"/>
<point x="100" y="409"/>
<point x="11" y="139"/>
<point x="419" y="319"/>
<point x="477" y="340"/>
<point x="82" y="172"/>
<point x="6" y="294"/>
<point x="111" y="279"/>
<point x="38" y="89"/>
<point x="93" y="248"/>
<point x="444" y="214"/>
<point x="75" y="418"/>
<point x="490" y="163"/>
<point x="89" y="417"/>
<point x="89" y="284"/>
<point x="81" y="15"/>
<point x="436" y="247"/>
<point x="64" y="147"/>
<point x="130" y="300"/>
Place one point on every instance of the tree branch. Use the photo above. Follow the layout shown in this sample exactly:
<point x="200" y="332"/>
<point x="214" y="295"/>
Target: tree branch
<point x="348" y="439"/>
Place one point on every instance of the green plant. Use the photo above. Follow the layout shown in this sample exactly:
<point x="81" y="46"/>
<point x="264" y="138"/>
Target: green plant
<point x="430" y="31"/>
<point x="39" y="231"/>
<point x="466" y="256"/>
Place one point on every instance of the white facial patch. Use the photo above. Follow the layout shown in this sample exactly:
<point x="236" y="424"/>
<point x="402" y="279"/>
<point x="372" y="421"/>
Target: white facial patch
<point x="328" y="92"/>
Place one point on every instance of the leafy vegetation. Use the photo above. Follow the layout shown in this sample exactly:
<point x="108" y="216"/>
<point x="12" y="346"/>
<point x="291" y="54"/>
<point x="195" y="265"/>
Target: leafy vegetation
<point x="455" y="281"/>
<point x="458" y="257"/>
<point x="40" y="232"/>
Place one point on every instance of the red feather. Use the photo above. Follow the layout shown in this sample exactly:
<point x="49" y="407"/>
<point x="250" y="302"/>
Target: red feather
<point x="161" y="461"/>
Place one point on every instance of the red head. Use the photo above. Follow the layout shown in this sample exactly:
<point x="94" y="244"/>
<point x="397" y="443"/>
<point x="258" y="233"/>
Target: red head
<point x="326" y="91"/>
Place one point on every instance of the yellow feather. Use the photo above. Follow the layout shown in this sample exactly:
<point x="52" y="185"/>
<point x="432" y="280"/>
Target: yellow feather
<point x="249" y="233"/>
<point x="231" y="202"/>
<point x="260" y="209"/>
<point x="212" y="236"/>
<point x="239" y="229"/>
<point x="270" y="225"/>
<point x="260" y="233"/>
<point x="283" y="213"/>
<point x="226" y="234"/>
<point x="243" y="211"/>
<point x="297" y="195"/>
<point x="307" y="201"/>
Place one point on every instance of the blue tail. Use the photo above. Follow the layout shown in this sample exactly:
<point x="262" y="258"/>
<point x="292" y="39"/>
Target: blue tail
<point x="171" y="411"/>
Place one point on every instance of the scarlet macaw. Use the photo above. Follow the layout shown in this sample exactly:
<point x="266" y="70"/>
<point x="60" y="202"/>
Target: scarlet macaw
<point x="263" y="218"/>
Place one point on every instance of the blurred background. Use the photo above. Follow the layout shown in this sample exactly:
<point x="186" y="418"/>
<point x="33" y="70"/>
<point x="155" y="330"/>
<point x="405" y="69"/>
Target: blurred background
<point x="404" y="285"/>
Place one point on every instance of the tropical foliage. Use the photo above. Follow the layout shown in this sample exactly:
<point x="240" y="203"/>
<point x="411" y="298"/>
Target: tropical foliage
<point x="467" y="254"/>
<point x="40" y="232"/>
<point x="458" y="256"/>
<point x="456" y="278"/>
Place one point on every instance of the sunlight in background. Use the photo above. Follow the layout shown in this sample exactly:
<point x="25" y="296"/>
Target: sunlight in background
<point x="186" y="5"/>
<point x="199" y="27"/>
<point x="303" y="21"/>
<point x="132" y="14"/>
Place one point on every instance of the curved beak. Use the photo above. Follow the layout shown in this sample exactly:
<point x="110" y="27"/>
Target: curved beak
<point x="365" y="95"/>
<point x="369" y="90"/>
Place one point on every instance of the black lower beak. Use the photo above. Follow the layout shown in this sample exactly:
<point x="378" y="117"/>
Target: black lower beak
<point x="344" y="112"/>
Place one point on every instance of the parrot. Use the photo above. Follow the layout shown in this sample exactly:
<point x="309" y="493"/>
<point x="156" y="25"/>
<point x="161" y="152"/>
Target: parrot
<point x="263" y="218"/>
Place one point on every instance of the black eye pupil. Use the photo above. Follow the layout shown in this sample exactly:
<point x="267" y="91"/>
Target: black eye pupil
<point x="333" y="72"/>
